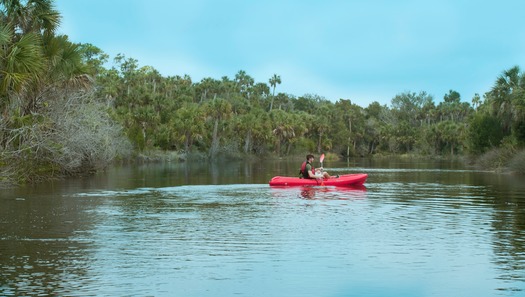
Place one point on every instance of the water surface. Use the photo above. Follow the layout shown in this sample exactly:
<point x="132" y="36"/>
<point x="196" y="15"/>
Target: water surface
<point x="417" y="229"/>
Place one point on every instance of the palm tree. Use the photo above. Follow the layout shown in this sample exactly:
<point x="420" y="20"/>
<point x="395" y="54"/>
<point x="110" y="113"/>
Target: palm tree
<point x="476" y="101"/>
<point x="261" y="133"/>
<point x="189" y="124"/>
<point x="36" y="16"/>
<point x="207" y="88"/>
<point x="260" y="93"/>
<point x="65" y="66"/>
<point x="283" y="128"/>
<point x="506" y="96"/>
<point x="243" y="82"/>
<point x="34" y="59"/>
<point x="217" y="110"/>
<point x="22" y="58"/>
<point x="274" y="81"/>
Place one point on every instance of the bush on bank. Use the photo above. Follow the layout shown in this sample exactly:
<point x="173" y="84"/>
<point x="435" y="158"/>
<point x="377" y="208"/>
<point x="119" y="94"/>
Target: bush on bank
<point x="72" y="135"/>
<point x="504" y="160"/>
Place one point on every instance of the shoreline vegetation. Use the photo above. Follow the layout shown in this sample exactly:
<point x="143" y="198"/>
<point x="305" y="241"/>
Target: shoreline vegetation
<point x="66" y="109"/>
<point x="497" y="160"/>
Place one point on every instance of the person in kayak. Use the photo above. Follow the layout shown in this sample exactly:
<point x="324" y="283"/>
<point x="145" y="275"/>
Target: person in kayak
<point x="308" y="170"/>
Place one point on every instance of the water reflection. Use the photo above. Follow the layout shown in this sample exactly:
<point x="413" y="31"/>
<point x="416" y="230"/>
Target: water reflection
<point x="509" y="237"/>
<point x="320" y="192"/>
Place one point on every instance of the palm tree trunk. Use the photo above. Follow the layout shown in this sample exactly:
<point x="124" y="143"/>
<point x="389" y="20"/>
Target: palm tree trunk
<point x="319" y="141"/>
<point x="215" y="140"/>
<point x="273" y="96"/>
<point x="187" y="142"/>
<point x="248" y="141"/>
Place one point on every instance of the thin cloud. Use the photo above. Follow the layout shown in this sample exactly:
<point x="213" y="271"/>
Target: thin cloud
<point x="359" y="50"/>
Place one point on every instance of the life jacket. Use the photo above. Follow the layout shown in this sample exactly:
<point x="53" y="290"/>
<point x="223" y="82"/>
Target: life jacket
<point x="303" y="173"/>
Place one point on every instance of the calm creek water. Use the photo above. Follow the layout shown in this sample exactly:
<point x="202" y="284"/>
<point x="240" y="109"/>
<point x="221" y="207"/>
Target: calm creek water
<point x="418" y="229"/>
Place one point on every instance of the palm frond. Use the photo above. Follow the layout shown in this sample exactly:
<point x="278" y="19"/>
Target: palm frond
<point x="26" y="55"/>
<point x="6" y="34"/>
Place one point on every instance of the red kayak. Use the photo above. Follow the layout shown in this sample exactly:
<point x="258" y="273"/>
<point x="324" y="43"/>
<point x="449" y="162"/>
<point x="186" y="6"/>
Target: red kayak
<point x="346" y="180"/>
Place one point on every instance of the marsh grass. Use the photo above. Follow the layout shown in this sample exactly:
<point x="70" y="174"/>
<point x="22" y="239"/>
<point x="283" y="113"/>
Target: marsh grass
<point x="502" y="160"/>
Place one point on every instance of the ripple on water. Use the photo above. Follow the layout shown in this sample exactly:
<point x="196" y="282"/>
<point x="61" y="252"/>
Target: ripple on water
<point x="392" y="238"/>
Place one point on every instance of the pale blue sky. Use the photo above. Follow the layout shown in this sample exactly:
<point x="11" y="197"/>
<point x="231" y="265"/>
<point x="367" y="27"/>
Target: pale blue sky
<point x="364" y="51"/>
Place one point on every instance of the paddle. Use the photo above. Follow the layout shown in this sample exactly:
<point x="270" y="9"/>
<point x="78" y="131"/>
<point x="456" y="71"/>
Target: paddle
<point x="321" y="160"/>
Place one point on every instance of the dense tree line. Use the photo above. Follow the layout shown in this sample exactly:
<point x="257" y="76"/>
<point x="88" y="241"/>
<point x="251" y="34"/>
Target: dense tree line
<point x="240" y="116"/>
<point x="64" y="111"/>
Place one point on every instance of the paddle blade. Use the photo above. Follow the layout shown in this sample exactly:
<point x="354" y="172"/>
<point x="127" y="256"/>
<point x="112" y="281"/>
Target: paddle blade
<point x="321" y="158"/>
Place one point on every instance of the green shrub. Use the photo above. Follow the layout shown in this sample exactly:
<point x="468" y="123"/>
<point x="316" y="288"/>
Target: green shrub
<point x="484" y="133"/>
<point x="495" y="159"/>
<point x="517" y="163"/>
